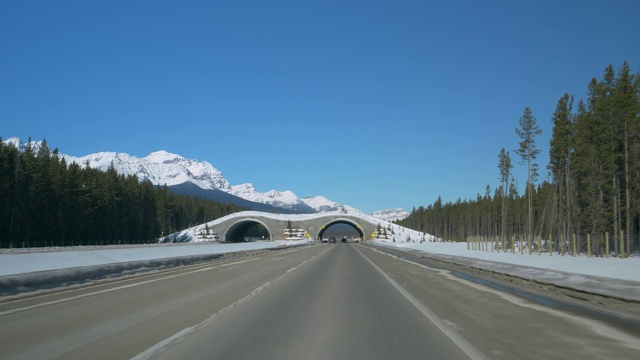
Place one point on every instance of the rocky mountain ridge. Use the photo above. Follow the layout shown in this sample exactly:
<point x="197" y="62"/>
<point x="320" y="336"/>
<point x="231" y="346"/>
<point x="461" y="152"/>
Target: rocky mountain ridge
<point x="173" y="170"/>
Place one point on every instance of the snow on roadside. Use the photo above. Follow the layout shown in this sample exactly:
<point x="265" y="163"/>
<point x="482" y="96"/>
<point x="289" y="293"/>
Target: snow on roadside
<point x="612" y="267"/>
<point x="616" y="268"/>
<point x="27" y="262"/>
<point x="607" y="276"/>
<point x="571" y="270"/>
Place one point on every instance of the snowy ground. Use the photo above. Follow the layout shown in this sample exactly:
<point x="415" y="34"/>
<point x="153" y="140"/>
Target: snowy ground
<point x="624" y="269"/>
<point x="614" y="276"/>
<point x="608" y="276"/>
<point x="20" y="262"/>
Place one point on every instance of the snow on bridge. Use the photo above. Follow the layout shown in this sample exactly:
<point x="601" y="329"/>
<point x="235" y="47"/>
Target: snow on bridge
<point x="233" y="227"/>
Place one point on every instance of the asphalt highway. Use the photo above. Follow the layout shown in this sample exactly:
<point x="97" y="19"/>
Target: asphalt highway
<point x="329" y="301"/>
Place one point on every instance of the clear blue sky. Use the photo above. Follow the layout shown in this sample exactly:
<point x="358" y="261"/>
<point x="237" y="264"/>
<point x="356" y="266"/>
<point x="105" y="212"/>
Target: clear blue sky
<point x="375" y="104"/>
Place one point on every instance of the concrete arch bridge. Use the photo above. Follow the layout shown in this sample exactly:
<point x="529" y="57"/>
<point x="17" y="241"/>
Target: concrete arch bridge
<point x="233" y="227"/>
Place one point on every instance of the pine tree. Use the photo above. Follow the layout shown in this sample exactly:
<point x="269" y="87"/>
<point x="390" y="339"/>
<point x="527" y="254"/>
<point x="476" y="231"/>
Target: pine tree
<point x="504" y="165"/>
<point x="528" y="152"/>
<point x="626" y="111"/>
<point x="560" y="152"/>
<point x="586" y="159"/>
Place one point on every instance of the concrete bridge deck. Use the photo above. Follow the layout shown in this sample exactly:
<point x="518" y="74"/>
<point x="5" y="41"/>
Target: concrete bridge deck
<point x="233" y="227"/>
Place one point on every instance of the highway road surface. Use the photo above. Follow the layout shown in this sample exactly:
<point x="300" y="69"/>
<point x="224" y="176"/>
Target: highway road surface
<point x="329" y="301"/>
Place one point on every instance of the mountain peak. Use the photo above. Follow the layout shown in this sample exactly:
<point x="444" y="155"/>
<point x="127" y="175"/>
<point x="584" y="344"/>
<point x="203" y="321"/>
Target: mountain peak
<point x="14" y="141"/>
<point x="163" y="157"/>
<point x="160" y="167"/>
<point x="165" y="168"/>
<point x="18" y="144"/>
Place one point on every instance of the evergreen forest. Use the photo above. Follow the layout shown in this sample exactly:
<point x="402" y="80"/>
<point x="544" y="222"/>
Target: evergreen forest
<point x="592" y="191"/>
<point x="46" y="202"/>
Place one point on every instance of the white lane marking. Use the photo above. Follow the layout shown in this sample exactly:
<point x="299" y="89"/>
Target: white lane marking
<point x="72" y="298"/>
<point x="177" y="337"/>
<point x="597" y="327"/>
<point x="462" y="343"/>
<point x="453" y="325"/>
<point x="180" y="335"/>
<point x="82" y="296"/>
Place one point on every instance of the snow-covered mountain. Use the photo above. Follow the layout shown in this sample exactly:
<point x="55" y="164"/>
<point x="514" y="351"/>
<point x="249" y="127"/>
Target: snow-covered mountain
<point x="281" y="199"/>
<point x="159" y="167"/>
<point x="390" y="214"/>
<point x="162" y="168"/>
<point x="16" y="143"/>
<point x="322" y="204"/>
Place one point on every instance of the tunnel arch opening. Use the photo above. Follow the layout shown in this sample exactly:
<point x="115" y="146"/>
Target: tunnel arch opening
<point x="343" y="223"/>
<point x="248" y="230"/>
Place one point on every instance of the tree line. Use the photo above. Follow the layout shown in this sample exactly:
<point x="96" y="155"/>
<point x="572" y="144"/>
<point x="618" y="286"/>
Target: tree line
<point x="593" y="182"/>
<point x="46" y="202"/>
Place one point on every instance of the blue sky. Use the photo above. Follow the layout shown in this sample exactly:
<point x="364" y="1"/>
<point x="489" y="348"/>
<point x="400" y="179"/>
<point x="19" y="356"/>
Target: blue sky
<point x="375" y="104"/>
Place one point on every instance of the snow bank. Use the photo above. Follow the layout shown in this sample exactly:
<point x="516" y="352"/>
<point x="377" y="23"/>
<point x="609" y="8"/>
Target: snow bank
<point x="27" y="271"/>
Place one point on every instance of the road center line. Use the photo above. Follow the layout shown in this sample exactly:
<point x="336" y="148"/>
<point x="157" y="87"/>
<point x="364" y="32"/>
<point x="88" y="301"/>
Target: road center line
<point x="82" y="296"/>
<point x="177" y="337"/>
<point x="72" y="298"/>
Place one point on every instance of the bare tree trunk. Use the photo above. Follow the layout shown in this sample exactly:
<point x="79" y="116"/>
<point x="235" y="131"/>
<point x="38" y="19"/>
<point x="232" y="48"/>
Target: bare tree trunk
<point x="503" y="220"/>
<point x="529" y="203"/>
<point x="615" y="216"/>
<point x="567" y="218"/>
<point x="627" y="180"/>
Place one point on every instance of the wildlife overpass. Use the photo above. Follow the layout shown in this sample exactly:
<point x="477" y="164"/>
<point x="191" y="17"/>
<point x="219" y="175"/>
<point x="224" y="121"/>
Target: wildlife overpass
<point x="232" y="228"/>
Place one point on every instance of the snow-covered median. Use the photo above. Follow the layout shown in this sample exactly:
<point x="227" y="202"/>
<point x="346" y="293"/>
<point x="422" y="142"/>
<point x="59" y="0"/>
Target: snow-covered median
<point x="38" y="260"/>
<point x="37" y="269"/>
